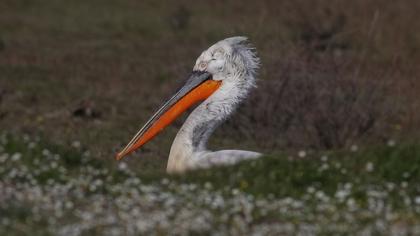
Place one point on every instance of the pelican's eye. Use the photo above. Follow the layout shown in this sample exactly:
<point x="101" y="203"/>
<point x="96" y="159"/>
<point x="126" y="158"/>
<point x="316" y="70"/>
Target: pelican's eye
<point x="202" y="65"/>
<point x="218" y="53"/>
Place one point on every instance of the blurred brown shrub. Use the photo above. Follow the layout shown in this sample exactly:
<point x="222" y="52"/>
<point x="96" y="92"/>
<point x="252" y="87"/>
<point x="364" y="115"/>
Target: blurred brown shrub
<point x="317" y="101"/>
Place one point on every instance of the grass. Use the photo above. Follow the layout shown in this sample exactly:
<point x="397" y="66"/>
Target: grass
<point x="119" y="56"/>
<point x="50" y="189"/>
<point x="336" y="75"/>
<point x="289" y="176"/>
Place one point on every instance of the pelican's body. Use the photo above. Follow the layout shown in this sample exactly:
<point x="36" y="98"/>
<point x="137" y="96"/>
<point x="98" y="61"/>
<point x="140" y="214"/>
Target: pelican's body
<point x="222" y="76"/>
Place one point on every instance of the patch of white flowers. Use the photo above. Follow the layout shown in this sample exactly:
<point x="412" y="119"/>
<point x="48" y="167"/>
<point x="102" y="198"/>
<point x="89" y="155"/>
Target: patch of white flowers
<point x="93" y="201"/>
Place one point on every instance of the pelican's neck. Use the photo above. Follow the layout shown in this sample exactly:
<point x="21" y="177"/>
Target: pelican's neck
<point x="200" y="124"/>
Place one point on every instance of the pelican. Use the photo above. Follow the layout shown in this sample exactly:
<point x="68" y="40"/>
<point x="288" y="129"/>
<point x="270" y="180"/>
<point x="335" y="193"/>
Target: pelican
<point x="221" y="79"/>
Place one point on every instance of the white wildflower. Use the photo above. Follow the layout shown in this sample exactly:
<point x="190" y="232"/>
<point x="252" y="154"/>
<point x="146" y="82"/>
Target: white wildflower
<point x="310" y="189"/>
<point x="302" y="154"/>
<point x="122" y="166"/>
<point x="323" y="167"/>
<point x="46" y="152"/>
<point x="16" y="156"/>
<point x="76" y="144"/>
<point x="369" y="167"/>
<point x="3" y="158"/>
<point x="31" y="145"/>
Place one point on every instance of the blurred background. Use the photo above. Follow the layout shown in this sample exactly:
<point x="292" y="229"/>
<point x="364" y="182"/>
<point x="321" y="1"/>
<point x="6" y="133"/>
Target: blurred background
<point x="89" y="73"/>
<point x="336" y="110"/>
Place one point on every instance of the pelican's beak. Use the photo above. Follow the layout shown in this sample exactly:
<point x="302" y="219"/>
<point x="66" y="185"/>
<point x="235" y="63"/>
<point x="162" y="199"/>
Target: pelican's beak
<point x="198" y="87"/>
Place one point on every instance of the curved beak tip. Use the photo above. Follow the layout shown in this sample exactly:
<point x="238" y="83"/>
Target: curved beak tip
<point x="119" y="156"/>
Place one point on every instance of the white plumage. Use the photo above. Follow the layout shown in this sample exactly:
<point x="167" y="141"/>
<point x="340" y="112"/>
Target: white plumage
<point x="223" y="76"/>
<point x="235" y="63"/>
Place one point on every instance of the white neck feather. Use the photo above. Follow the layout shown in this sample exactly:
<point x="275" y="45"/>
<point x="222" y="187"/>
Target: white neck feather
<point x="200" y="124"/>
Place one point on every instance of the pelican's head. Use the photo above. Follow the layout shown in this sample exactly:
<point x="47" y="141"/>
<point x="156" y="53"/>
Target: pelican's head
<point x="229" y="58"/>
<point x="231" y="62"/>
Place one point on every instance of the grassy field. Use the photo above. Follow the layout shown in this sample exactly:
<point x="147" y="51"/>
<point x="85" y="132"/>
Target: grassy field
<point x="336" y="112"/>
<point x="47" y="189"/>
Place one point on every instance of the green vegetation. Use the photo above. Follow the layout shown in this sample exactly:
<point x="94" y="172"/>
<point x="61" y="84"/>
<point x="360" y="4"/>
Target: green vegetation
<point x="290" y="176"/>
<point x="56" y="190"/>
<point x="339" y="81"/>
<point x="121" y="60"/>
